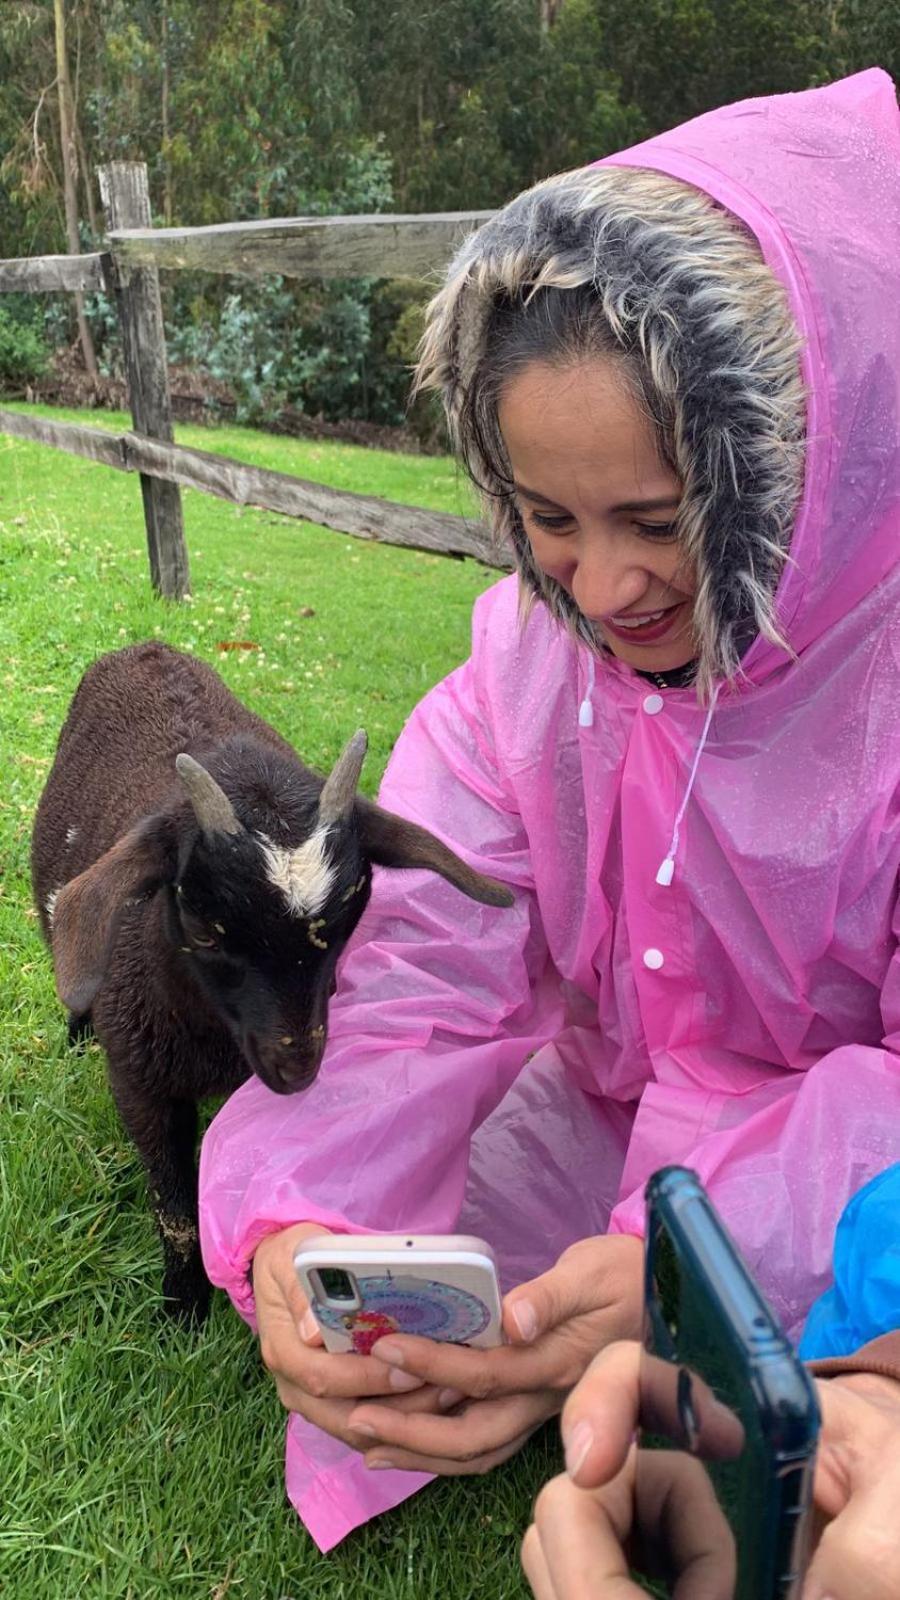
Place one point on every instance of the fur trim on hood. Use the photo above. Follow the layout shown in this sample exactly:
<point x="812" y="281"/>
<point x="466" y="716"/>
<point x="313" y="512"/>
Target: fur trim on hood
<point x="687" y="296"/>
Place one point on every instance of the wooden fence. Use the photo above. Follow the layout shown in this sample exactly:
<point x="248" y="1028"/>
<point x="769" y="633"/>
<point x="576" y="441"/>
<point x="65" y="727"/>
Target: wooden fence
<point x="302" y="247"/>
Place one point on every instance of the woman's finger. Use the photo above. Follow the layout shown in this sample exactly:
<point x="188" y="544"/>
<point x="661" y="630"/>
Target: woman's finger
<point x="678" y="1517"/>
<point x="426" y="1398"/>
<point x="600" y="1416"/>
<point x="581" y="1544"/>
<point x="332" y="1416"/>
<point x="444" y="1466"/>
<point x="551" y="1363"/>
<point x="535" y="1567"/>
<point x="470" y="1432"/>
<point x="326" y="1374"/>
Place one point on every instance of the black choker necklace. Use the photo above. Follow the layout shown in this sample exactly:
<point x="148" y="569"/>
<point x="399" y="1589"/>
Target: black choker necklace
<point x="676" y="678"/>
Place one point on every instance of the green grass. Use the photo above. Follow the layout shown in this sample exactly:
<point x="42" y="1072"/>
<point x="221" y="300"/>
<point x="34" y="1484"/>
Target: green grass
<point x="137" y="1461"/>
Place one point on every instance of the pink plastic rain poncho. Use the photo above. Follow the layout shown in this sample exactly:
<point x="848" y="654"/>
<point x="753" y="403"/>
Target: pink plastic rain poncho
<point x="744" y="1019"/>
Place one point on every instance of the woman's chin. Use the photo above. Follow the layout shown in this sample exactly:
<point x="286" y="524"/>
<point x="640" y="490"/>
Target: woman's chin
<point x="647" y="658"/>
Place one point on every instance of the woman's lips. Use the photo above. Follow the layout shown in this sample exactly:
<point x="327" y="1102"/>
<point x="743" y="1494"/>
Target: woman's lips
<point x="658" y="627"/>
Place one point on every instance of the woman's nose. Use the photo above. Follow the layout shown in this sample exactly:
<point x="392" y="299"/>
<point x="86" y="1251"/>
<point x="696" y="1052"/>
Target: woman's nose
<point x="603" y="586"/>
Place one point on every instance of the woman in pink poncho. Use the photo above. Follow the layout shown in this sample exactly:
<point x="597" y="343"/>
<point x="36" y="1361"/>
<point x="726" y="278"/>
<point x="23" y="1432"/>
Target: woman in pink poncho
<point x="675" y="375"/>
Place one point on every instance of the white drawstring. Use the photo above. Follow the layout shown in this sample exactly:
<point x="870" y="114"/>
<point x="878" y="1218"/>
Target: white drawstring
<point x="667" y="868"/>
<point x="666" y="871"/>
<point x="586" y="710"/>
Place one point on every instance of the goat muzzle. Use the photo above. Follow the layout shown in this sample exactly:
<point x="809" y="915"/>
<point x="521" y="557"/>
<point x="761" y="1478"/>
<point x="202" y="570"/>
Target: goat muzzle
<point x="285" y="1065"/>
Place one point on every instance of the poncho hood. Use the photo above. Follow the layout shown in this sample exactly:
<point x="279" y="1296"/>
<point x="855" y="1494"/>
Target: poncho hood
<point x="789" y="458"/>
<point x="816" y="177"/>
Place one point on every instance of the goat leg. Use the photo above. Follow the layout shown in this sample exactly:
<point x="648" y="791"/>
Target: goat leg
<point x="165" y="1133"/>
<point x="80" y="1027"/>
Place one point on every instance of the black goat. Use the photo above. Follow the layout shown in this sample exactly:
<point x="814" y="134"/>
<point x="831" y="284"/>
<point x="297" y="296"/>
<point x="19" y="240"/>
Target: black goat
<point x="197" y="883"/>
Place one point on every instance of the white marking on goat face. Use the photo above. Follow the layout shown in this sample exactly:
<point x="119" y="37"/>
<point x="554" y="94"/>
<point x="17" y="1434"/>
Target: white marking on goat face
<point x="71" y="835"/>
<point x="50" y="903"/>
<point x="304" y="875"/>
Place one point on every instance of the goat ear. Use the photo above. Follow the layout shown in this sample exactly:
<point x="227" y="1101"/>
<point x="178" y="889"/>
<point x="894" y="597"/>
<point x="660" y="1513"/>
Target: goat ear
<point x="87" y="910"/>
<point x="391" y="841"/>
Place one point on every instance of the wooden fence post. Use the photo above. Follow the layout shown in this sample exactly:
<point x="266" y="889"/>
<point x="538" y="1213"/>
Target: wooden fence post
<point x="126" y="203"/>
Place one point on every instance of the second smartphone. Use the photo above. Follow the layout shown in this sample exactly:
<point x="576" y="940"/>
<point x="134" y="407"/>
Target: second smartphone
<point x="729" y="1414"/>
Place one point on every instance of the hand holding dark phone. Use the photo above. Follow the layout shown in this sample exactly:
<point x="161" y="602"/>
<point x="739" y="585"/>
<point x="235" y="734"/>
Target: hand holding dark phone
<point x="729" y="1417"/>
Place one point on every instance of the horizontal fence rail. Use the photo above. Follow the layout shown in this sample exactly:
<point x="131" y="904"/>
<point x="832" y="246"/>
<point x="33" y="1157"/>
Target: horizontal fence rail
<point x="358" y="515"/>
<point x="305" y="247"/>
<point x="376" y="246"/>
<point x="41" y="274"/>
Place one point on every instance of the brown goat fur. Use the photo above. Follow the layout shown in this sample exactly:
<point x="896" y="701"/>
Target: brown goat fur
<point x="196" y="913"/>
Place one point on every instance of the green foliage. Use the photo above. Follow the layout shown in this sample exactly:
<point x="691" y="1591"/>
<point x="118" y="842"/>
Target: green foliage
<point x="275" y="343"/>
<point x="256" y="108"/>
<point x="23" y="350"/>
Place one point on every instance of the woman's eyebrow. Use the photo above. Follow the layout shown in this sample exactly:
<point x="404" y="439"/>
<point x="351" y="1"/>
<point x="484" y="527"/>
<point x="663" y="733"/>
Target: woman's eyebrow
<point x="538" y="499"/>
<point x="666" y="502"/>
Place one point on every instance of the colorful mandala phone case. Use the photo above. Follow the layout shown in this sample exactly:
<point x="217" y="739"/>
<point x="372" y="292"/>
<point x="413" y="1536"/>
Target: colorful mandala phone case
<point x="363" y="1287"/>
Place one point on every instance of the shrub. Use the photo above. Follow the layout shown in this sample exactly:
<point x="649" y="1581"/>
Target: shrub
<point x="23" y="353"/>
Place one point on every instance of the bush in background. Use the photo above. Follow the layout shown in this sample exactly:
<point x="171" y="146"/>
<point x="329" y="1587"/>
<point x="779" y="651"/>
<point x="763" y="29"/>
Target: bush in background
<point x="24" y="352"/>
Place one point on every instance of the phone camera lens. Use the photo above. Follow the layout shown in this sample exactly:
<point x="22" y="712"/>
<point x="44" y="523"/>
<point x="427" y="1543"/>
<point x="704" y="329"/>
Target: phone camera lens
<point x="336" y="1283"/>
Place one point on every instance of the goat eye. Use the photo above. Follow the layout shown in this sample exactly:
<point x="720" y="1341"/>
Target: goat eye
<point x="197" y="935"/>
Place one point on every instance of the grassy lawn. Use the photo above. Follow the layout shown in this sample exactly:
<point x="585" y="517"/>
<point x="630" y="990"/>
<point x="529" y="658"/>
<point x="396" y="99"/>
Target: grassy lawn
<point x="137" y="1461"/>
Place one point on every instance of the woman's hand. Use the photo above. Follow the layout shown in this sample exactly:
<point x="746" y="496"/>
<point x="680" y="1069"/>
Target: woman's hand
<point x="555" y="1325"/>
<point x="857" y="1490"/>
<point x="584" y="1522"/>
<point x="323" y="1387"/>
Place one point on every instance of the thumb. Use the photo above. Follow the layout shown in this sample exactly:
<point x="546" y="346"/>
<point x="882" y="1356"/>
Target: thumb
<point x="535" y="1308"/>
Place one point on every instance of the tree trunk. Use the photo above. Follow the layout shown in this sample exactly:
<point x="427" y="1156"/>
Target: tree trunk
<point x="85" y="174"/>
<point x="164" y="107"/>
<point x="69" y="166"/>
<point x="84" y="169"/>
<point x="550" y="10"/>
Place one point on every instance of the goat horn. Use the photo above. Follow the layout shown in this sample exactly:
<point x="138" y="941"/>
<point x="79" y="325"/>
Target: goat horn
<point x="339" y="791"/>
<point x="212" y="807"/>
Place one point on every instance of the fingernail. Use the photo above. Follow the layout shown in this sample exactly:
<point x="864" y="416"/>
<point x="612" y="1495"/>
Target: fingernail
<point x="309" y="1326"/>
<point x="448" y="1398"/>
<point x="577" y="1444"/>
<point x="390" y="1353"/>
<point x="403" y="1380"/>
<point x="365" y="1428"/>
<point x="378" y="1466"/>
<point x="525" y="1319"/>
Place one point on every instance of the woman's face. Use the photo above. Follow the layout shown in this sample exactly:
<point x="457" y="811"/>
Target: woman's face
<point x="598" y="504"/>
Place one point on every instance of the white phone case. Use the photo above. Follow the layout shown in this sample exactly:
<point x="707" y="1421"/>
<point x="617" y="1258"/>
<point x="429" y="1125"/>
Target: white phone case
<point x="439" y="1286"/>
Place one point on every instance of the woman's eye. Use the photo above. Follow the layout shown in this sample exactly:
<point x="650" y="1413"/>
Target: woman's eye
<point x="556" y="524"/>
<point x="662" y="531"/>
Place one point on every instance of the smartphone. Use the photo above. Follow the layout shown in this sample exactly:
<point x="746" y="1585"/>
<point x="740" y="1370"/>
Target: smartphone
<point x="361" y="1287"/>
<point x="729" y="1416"/>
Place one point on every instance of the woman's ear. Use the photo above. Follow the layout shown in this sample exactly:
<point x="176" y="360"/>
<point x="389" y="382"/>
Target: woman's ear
<point x="391" y="841"/>
<point x="87" y="910"/>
